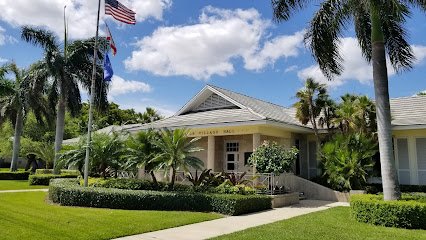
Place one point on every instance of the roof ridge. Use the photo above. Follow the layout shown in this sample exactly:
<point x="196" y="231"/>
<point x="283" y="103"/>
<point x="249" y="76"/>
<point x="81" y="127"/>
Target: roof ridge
<point x="404" y="97"/>
<point x="220" y="88"/>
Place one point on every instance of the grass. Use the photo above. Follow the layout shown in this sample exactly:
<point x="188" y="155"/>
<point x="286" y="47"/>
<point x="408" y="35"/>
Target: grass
<point x="28" y="216"/>
<point x="332" y="224"/>
<point x="17" y="185"/>
<point x="8" y="169"/>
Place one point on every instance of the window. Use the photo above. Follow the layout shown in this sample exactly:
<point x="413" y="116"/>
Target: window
<point x="421" y="159"/>
<point x="403" y="161"/>
<point x="232" y="147"/>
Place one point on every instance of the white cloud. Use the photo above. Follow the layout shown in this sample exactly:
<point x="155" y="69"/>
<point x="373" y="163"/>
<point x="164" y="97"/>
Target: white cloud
<point x="120" y="86"/>
<point x="208" y="47"/>
<point x="81" y="14"/>
<point x="282" y="46"/>
<point x="355" y="66"/>
<point x="419" y="52"/>
<point x="291" y="68"/>
<point x="3" y="60"/>
<point x="4" y="38"/>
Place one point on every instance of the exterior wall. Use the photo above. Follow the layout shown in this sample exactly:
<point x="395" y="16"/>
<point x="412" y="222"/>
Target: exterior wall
<point x="245" y="145"/>
<point x="202" y="154"/>
<point x="410" y="156"/>
<point x="244" y="136"/>
<point x="219" y="154"/>
<point x="283" y="141"/>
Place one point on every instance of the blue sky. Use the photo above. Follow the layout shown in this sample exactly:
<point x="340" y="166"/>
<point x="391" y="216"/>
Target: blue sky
<point x="177" y="47"/>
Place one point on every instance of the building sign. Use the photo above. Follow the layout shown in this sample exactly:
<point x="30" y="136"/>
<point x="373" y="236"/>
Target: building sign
<point x="221" y="131"/>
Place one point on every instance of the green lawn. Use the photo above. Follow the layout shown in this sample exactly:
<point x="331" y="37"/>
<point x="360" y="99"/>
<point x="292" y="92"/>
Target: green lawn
<point x="28" y="216"/>
<point x="331" y="224"/>
<point x="17" y="185"/>
<point x="8" y="169"/>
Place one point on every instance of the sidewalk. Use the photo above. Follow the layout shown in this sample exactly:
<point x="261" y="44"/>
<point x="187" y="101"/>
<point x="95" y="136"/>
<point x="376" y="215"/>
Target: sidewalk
<point x="25" y="190"/>
<point x="214" y="228"/>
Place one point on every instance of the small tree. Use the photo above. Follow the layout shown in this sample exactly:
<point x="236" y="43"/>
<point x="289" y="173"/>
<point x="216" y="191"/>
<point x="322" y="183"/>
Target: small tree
<point x="107" y="152"/>
<point x="176" y="150"/>
<point x="273" y="158"/>
<point x="142" y="150"/>
<point x="348" y="159"/>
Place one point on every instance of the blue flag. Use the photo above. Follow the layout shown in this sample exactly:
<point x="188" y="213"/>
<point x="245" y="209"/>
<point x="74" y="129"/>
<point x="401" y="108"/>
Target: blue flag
<point x="108" y="72"/>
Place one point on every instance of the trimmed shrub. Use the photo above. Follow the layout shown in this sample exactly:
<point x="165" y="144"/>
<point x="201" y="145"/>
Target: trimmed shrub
<point x="61" y="171"/>
<point x="19" y="175"/>
<point x="409" y="212"/>
<point x="44" y="179"/>
<point x="69" y="193"/>
<point x="141" y="184"/>
<point x="376" y="188"/>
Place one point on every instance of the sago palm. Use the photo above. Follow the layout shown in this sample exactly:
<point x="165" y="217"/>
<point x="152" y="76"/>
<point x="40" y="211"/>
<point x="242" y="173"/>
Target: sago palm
<point x="68" y="67"/>
<point x="19" y="96"/>
<point x="176" y="152"/>
<point x="379" y="28"/>
<point x="142" y="150"/>
<point x="107" y="152"/>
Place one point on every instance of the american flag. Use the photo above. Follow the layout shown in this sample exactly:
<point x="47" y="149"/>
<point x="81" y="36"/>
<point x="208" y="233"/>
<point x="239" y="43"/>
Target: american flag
<point x="119" y="12"/>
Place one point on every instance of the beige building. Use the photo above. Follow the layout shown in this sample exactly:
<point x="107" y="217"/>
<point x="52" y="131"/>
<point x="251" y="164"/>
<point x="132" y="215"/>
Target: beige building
<point x="232" y="125"/>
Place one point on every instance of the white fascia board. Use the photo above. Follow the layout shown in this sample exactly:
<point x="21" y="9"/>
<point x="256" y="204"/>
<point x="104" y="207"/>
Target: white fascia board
<point x="409" y="127"/>
<point x="192" y="101"/>
<point x="227" y="98"/>
<point x="299" y="129"/>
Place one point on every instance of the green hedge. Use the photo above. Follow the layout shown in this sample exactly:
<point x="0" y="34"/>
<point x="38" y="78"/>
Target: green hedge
<point x="409" y="212"/>
<point x="61" y="171"/>
<point x="141" y="184"/>
<point x="377" y="188"/>
<point x="69" y="193"/>
<point x="44" y="179"/>
<point x="19" y="175"/>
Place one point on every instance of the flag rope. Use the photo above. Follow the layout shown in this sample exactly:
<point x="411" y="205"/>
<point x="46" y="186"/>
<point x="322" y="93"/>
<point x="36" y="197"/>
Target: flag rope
<point x="92" y="99"/>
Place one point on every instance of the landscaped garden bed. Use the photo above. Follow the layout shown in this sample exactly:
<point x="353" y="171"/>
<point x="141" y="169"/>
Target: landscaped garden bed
<point x="18" y="175"/>
<point x="44" y="179"/>
<point x="70" y="193"/>
<point x="409" y="212"/>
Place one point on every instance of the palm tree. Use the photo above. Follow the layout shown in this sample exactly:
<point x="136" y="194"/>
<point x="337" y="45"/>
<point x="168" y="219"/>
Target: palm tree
<point x="107" y="152"/>
<point x="68" y="68"/>
<point x="379" y="27"/>
<point x="312" y="99"/>
<point x="176" y="149"/>
<point x="142" y="151"/>
<point x="150" y="115"/>
<point x="46" y="152"/>
<point x="18" y="97"/>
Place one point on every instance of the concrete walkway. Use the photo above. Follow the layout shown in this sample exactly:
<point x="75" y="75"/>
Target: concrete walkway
<point x="214" y="228"/>
<point x="25" y="190"/>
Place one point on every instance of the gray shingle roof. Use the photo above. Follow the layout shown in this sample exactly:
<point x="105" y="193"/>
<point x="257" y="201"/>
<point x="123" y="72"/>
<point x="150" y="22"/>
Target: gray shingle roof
<point x="269" y="110"/>
<point x="204" y="118"/>
<point x="408" y="111"/>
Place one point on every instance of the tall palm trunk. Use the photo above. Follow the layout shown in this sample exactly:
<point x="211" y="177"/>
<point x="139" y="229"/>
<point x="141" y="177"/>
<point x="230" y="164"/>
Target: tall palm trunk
<point x="154" y="179"/>
<point x="19" y="124"/>
<point x="314" y="121"/>
<point x="172" y="181"/>
<point x="60" y="124"/>
<point x="384" y="129"/>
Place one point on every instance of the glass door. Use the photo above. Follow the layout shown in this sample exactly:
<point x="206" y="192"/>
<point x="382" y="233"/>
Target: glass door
<point x="231" y="156"/>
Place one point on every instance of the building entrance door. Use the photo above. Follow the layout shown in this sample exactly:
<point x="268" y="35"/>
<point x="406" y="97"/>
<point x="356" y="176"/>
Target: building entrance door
<point x="231" y="156"/>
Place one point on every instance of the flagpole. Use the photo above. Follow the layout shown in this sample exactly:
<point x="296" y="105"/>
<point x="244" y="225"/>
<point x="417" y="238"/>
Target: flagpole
<point x="92" y="99"/>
